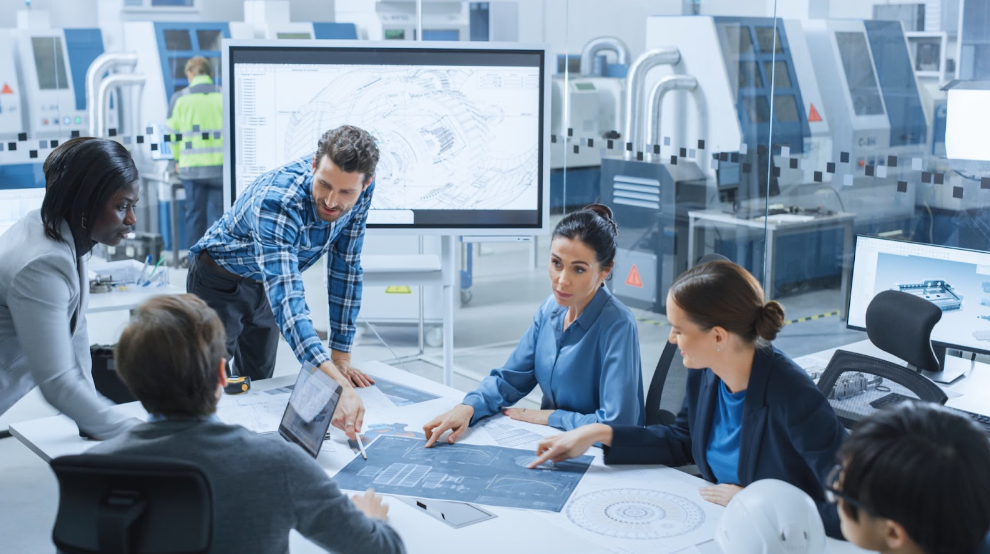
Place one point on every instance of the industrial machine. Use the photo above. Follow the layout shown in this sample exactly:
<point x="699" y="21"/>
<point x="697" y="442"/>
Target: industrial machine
<point x="877" y="116"/>
<point x="269" y="19"/>
<point x="712" y="136"/>
<point x="161" y="50"/>
<point x="43" y="102"/>
<point x="442" y="19"/>
<point x="586" y="111"/>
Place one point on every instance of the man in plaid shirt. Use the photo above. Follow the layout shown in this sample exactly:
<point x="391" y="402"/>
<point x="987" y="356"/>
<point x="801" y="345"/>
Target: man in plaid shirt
<point x="248" y="267"/>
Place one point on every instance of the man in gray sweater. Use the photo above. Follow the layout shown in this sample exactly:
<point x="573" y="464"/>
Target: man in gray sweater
<point x="171" y="356"/>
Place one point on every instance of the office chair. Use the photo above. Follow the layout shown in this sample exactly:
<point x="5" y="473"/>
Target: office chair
<point x="111" y="504"/>
<point x="897" y="323"/>
<point x="655" y="415"/>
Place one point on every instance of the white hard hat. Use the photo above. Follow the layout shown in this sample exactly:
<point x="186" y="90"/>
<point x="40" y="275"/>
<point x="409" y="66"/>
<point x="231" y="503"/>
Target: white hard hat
<point x="771" y="517"/>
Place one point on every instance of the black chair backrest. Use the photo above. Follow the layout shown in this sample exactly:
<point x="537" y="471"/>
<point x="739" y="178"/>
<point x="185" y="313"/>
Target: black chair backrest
<point x="654" y="415"/>
<point x="110" y="504"/>
<point x="901" y="324"/>
<point x="846" y="383"/>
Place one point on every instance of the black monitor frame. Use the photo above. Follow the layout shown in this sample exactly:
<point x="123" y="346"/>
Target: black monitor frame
<point x="323" y="52"/>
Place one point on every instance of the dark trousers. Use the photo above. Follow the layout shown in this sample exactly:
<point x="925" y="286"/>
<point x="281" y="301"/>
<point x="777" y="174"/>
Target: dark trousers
<point x="252" y="335"/>
<point x="204" y="206"/>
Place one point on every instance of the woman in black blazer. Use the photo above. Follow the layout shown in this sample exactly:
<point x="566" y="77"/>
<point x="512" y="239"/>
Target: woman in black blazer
<point x="749" y="412"/>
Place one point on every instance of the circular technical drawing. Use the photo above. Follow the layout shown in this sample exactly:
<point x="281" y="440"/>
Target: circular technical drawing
<point x="635" y="514"/>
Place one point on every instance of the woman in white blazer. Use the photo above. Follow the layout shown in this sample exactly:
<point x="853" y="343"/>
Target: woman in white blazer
<point x="90" y="191"/>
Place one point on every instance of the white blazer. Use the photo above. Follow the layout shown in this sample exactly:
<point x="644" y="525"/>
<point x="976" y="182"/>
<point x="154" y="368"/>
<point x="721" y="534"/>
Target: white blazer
<point x="43" y="336"/>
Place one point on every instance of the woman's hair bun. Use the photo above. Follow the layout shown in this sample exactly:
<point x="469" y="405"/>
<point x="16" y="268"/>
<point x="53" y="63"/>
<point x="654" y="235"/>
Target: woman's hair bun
<point x="770" y="320"/>
<point x="605" y="213"/>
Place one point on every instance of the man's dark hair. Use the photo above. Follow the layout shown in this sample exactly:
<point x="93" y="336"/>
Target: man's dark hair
<point x="350" y="148"/>
<point x="925" y="467"/>
<point x="81" y="176"/>
<point x="169" y="356"/>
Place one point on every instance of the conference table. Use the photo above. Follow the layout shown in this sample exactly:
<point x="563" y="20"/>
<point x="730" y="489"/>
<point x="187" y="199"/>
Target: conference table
<point x="618" y="509"/>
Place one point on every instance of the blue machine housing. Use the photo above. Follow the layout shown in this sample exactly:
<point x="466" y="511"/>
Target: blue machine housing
<point x="337" y="31"/>
<point x="83" y="46"/>
<point x="897" y="83"/>
<point x="755" y="68"/>
<point x="174" y="61"/>
<point x="650" y="202"/>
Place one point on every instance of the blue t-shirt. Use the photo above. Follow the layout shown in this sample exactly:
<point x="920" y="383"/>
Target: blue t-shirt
<point x="723" y="438"/>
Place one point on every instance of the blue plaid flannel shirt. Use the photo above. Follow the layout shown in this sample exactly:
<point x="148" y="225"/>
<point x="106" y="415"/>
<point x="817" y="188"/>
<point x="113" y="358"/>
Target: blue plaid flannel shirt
<point x="273" y="234"/>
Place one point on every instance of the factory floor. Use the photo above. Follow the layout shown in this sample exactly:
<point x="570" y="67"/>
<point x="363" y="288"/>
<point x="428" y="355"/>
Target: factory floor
<point x="505" y="294"/>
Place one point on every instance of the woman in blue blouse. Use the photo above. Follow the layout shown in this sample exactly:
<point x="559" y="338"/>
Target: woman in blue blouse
<point x="749" y="412"/>
<point x="582" y="348"/>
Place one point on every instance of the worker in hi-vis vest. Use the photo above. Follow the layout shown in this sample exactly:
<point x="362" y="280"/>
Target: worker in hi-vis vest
<point x="195" y="120"/>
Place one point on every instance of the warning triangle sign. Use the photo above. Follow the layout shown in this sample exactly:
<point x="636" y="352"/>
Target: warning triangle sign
<point x="813" y="114"/>
<point x="633" y="279"/>
<point x="6" y="89"/>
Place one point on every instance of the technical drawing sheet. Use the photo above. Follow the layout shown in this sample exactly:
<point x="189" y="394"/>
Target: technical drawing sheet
<point x="490" y="475"/>
<point x="646" y="510"/>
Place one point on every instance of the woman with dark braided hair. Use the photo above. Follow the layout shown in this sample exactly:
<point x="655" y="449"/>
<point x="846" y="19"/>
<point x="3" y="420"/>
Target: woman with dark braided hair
<point x="582" y="348"/>
<point x="90" y="191"/>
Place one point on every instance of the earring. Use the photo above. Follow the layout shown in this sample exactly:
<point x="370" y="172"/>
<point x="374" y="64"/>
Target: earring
<point x="718" y="348"/>
<point x="84" y="222"/>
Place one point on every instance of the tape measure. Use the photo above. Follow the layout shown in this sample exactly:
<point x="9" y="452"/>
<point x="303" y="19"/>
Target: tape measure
<point x="237" y="385"/>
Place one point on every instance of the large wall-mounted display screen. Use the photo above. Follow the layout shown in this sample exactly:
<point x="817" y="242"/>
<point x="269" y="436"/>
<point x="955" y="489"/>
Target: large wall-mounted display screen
<point x="460" y="129"/>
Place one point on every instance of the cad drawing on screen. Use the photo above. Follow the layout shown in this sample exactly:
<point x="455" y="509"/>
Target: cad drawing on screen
<point x="443" y="126"/>
<point x="460" y="128"/>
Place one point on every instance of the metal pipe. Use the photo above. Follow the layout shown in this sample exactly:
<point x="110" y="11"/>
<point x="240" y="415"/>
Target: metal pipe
<point x="596" y="45"/>
<point x="651" y="127"/>
<point x="102" y="64"/>
<point x="113" y="81"/>
<point x="634" y="87"/>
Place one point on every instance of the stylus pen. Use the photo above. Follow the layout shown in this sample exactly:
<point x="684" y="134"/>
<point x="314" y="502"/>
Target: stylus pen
<point x="361" y="446"/>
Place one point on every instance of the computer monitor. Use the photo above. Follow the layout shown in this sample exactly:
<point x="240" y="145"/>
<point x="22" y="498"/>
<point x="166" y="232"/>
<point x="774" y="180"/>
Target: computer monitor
<point x="954" y="279"/>
<point x="460" y="127"/>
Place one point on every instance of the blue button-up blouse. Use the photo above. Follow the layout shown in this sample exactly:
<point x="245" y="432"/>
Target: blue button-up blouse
<point x="589" y="373"/>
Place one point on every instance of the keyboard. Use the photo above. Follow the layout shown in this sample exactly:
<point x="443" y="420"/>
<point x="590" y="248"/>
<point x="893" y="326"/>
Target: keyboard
<point x="894" y="398"/>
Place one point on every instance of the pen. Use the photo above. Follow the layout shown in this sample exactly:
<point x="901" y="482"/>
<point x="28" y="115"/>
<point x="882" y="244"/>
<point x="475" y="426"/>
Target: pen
<point x="144" y="269"/>
<point x="361" y="447"/>
<point x="153" y="271"/>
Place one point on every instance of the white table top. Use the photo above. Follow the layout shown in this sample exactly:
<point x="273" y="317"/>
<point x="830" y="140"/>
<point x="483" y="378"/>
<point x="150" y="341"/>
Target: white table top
<point x="126" y="300"/>
<point x="970" y="393"/>
<point x="513" y="530"/>
<point x="773" y="221"/>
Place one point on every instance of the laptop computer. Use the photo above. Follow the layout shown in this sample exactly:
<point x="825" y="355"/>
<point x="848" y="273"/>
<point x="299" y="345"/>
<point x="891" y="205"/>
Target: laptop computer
<point x="309" y="410"/>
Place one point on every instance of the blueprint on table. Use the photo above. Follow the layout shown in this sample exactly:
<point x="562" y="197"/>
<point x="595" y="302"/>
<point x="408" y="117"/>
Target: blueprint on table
<point x="402" y="395"/>
<point x="490" y="475"/>
<point x="375" y="430"/>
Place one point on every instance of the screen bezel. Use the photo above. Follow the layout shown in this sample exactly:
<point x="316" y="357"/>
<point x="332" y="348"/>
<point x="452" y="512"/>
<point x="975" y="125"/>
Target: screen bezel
<point x="232" y="48"/>
<point x="852" y="281"/>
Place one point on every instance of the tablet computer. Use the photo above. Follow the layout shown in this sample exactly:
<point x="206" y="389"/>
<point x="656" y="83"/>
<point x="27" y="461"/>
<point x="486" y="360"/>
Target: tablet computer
<point x="309" y="410"/>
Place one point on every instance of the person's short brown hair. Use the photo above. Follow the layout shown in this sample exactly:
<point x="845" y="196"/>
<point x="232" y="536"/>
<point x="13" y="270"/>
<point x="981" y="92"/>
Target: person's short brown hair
<point x="350" y="148"/>
<point x="199" y="65"/>
<point x="722" y="294"/>
<point x="169" y="356"/>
